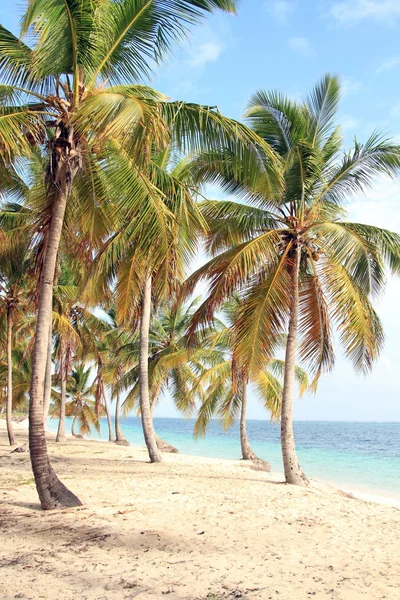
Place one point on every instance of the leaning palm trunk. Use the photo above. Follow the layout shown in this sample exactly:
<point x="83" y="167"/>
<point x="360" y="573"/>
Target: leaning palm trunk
<point x="61" y="423"/>
<point x="52" y="492"/>
<point x="73" y="432"/>
<point x="11" y="437"/>
<point x="247" y="451"/>
<point x="145" y="408"/>
<point x="161" y="444"/>
<point x="111" y="437"/>
<point x="120" y="438"/>
<point x="47" y="378"/>
<point x="293" y="471"/>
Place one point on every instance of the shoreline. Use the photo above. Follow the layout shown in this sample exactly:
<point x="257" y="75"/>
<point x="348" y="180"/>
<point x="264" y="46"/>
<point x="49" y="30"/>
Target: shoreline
<point x="188" y="528"/>
<point x="367" y="495"/>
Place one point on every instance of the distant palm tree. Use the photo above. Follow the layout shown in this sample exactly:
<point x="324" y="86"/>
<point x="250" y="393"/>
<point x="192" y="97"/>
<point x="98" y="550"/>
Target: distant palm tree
<point x="81" y="403"/>
<point x="225" y="386"/>
<point x="21" y="376"/>
<point x="116" y="363"/>
<point x="65" y="297"/>
<point x="297" y="261"/>
<point x="173" y="366"/>
<point x="15" y="301"/>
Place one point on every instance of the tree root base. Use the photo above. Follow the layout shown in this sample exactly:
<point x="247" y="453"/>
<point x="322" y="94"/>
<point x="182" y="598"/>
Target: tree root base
<point x="54" y="494"/>
<point x="258" y="464"/>
<point x="23" y="448"/>
<point x="122" y="442"/>
<point x="300" y="480"/>
<point x="163" y="446"/>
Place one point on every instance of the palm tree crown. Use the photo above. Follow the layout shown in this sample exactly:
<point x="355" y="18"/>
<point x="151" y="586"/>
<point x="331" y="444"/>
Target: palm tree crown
<point x="299" y="265"/>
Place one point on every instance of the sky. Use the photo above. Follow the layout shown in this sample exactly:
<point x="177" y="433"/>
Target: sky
<point x="288" y="46"/>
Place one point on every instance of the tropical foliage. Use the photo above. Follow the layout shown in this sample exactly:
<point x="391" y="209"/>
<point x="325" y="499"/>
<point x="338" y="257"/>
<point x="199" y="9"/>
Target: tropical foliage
<point x="80" y="403"/>
<point x="103" y="189"/>
<point x="299" y="265"/>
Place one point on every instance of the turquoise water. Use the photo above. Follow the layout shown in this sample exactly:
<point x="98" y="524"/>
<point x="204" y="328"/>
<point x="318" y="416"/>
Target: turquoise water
<point x="365" y="456"/>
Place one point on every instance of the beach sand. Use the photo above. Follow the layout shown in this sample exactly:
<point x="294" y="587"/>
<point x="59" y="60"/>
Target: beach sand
<point x="190" y="528"/>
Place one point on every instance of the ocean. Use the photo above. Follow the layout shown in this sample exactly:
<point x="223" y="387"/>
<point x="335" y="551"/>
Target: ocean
<point x="360" y="456"/>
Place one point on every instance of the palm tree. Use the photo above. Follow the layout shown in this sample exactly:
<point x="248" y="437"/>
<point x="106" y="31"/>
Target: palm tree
<point x="142" y="281"/>
<point x="115" y="365"/>
<point x="300" y="264"/>
<point x="81" y="403"/>
<point x="59" y="95"/>
<point x="225" y="386"/>
<point x="173" y="366"/>
<point x="66" y="295"/>
<point x="15" y="267"/>
<point x="21" y="376"/>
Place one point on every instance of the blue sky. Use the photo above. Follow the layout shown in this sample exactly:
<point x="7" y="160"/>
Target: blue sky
<point x="288" y="45"/>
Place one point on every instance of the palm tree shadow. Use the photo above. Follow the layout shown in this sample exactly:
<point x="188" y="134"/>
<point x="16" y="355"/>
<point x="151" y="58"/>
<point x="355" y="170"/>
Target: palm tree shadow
<point x="27" y="505"/>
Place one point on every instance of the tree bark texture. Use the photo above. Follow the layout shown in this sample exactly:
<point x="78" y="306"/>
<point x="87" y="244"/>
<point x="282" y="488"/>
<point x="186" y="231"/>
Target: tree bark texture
<point x="63" y="376"/>
<point x="10" y="431"/>
<point x="47" y="377"/>
<point x="111" y="437"/>
<point x="247" y="451"/>
<point x="52" y="492"/>
<point x="119" y="435"/>
<point x="145" y="408"/>
<point x="292" y="468"/>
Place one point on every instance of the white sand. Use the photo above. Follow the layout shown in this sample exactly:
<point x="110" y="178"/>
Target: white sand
<point x="190" y="528"/>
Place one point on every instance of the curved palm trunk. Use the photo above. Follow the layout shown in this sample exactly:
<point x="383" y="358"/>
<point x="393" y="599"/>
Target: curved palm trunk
<point x="47" y="377"/>
<point x="145" y="408"/>
<point x="52" y="492"/>
<point x="161" y="444"/>
<point x="61" y="423"/>
<point x="247" y="452"/>
<point x="293" y="471"/>
<point x="111" y="437"/>
<point x="11" y="437"/>
<point x="73" y="432"/>
<point x="120" y="438"/>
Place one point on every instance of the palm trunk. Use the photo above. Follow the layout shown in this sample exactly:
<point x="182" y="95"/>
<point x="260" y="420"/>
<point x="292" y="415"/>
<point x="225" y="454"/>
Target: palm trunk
<point x="11" y="437"/>
<point x="61" y="423"/>
<point x="73" y="423"/>
<point x="47" y="377"/>
<point x="161" y="444"/>
<point x="52" y="492"/>
<point x="111" y="437"/>
<point x="120" y="438"/>
<point x="293" y="471"/>
<point x="247" y="452"/>
<point x="145" y="408"/>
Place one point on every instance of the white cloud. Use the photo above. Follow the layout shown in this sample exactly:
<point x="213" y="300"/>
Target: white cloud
<point x="379" y="206"/>
<point x="353" y="11"/>
<point x="280" y="9"/>
<point x="350" y="86"/>
<point x="349" y="124"/>
<point x="201" y="54"/>
<point x="389" y="65"/>
<point x="301" y="45"/>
